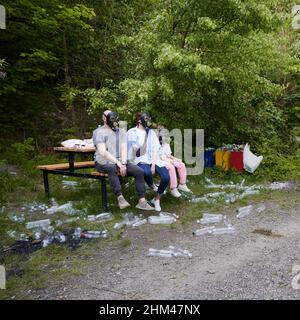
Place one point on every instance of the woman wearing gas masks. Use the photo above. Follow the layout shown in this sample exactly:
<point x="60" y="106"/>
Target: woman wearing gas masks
<point x="143" y="148"/>
<point x="111" y="158"/>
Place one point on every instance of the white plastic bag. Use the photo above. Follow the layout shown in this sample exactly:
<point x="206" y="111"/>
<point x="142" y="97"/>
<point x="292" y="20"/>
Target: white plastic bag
<point x="251" y="161"/>
<point x="71" y="143"/>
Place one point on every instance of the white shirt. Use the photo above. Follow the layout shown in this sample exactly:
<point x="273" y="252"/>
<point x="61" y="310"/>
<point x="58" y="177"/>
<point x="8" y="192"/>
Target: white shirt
<point x="135" y="139"/>
<point x="165" y="150"/>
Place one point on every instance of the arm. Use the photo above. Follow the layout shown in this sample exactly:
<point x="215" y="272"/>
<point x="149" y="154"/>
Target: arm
<point x="108" y="156"/>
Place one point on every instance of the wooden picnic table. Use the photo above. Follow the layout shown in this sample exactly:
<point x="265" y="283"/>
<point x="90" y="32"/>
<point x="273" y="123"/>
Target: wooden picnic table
<point x="72" y="152"/>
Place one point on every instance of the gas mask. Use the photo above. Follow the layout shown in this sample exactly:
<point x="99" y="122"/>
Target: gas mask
<point x="146" y="121"/>
<point x="112" y="120"/>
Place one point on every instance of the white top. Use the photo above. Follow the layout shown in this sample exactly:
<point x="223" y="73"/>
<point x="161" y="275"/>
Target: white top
<point x="135" y="139"/>
<point x="165" y="150"/>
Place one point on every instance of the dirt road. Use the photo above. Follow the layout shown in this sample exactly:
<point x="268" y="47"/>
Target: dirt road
<point x="244" y="265"/>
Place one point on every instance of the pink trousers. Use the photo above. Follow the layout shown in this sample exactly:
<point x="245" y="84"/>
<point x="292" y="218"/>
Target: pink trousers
<point x="181" y="169"/>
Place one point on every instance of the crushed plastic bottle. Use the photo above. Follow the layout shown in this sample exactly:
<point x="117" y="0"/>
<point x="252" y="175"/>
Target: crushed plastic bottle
<point x="178" y="252"/>
<point x="172" y="252"/>
<point x="119" y="225"/>
<point x="69" y="183"/>
<point x="212" y="219"/>
<point x="231" y="198"/>
<point x="226" y="230"/>
<point x="18" y="236"/>
<point x="94" y="234"/>
<point x="244" y="211"/>
<point x="61" y="222"/>
<point x="139" y="223"/>
<point x="77" y="233"/>
<point x="160" y="253"/>
<point x="16" y="218"/>
<point x="106" y="216"/>
<point x="168" y="214"/>
<point x="38" y="224"/>
<point x="215" y="194"/>
<point x="66" y="208"/>
<point x="206" y="230"/>
<point x="161" y="220"/>
<point x="199" y="199"/>
<point x="261" y="208"/>
<point x="249" y="192"/>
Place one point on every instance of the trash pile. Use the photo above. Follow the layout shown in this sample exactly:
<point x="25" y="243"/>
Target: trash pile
<point x="170" y="252"/>
<point x="41" y="233"/>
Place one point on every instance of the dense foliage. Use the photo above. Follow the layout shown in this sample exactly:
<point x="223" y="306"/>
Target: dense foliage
<point x="230" y="67"/>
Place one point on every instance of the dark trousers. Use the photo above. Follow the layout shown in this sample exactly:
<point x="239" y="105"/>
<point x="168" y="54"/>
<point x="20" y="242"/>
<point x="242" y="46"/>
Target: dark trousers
<point x="161" y="171"/>
<point x="132" y="170"/>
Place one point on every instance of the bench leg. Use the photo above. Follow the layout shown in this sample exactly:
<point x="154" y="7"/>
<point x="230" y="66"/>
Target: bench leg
<point x="104" y="194"/>
<point x="46" y="183"/>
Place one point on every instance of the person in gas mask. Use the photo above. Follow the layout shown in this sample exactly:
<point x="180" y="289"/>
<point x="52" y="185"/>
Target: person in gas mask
<point x="143" y="147"/>
<point x="111" y="158"/>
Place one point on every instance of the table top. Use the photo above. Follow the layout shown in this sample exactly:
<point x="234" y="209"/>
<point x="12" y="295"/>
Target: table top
<point x="75" y="150"/>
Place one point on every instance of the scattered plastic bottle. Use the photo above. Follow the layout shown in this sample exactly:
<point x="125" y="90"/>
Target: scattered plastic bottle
<point x="16" y="218"/>
<point x="207" y="230"/>
<point x="178" y="252"/>
<point x="261" y="208"/>
<point x="244" y="211"/>
<point x="39" y="223"/>
<point x="161" y="220"/>
<point x="139" y="223"/>
<point x="227" y="230"/>
<point x="61" y="222"/>
<point x="208" y="220"/>
<point x="160" y="253"/>
<point x="77" y="233"/>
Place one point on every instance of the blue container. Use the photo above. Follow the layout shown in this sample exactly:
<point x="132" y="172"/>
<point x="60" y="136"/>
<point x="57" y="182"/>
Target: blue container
<point x="209" y="158"/>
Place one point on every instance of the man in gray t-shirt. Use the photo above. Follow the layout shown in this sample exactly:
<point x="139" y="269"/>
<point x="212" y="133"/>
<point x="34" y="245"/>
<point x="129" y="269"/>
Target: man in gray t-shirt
<point x="111" y="158"/>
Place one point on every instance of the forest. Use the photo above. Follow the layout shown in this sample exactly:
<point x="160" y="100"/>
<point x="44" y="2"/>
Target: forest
<point x="228" y="67"/>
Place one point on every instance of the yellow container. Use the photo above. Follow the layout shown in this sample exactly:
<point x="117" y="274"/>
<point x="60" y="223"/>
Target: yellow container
<point x="223" y="159"/>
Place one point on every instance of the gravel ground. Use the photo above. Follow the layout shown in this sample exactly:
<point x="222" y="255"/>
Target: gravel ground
<point x="244" y="265"/>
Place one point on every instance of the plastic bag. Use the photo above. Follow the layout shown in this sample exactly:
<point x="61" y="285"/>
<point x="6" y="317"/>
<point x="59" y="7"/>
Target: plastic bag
<point x="251" y="161"/>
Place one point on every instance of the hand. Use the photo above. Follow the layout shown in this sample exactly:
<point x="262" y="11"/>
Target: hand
<point x="153" y="168"/>
<point x="122" y="168"/>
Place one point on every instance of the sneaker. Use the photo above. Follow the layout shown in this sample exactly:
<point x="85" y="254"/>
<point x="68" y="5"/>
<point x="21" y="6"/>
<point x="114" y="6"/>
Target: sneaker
<point x="157" y="205"/>
<point x="122" y="202"/>
<point x="144" y="206"/>
<point x="175" y="193"/>
<point x="184" y="188"/>
<point x="154" y="187"/>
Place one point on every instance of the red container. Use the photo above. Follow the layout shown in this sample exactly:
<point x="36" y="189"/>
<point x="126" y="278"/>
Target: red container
<point x="236" y="160"/>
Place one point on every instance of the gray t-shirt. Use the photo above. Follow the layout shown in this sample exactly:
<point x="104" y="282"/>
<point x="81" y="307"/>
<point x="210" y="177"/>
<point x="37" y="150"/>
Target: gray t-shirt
<point x="112" y="140"/>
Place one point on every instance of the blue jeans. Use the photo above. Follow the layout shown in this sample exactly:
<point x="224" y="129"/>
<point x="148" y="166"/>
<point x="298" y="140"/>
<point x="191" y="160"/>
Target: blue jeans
<point x="161" y="171"/>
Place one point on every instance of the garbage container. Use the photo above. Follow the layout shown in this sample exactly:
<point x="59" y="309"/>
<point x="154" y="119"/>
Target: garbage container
<point x="223" y="159"/>
<point x="236" y="160"/>
<point x="209" y="158"/>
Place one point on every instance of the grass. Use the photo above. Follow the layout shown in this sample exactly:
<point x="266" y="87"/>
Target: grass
<point x="36" y="270"/>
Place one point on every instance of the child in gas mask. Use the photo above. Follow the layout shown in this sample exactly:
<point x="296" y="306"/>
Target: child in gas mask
<point x="172" y="164"/>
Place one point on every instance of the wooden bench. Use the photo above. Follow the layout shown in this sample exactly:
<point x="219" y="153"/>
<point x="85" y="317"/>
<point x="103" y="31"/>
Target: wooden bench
<point x="66" y="166"/>
<point x="64" y="169"/>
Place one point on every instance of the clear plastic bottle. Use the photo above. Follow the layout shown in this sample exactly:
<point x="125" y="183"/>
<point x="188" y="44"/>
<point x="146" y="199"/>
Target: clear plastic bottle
<point x="207" y="230"/>
<point x="227" y="230"/>
<point x="161" y="220"/>
<point x="39" y="223"/>
<point x="160" y="253"/>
